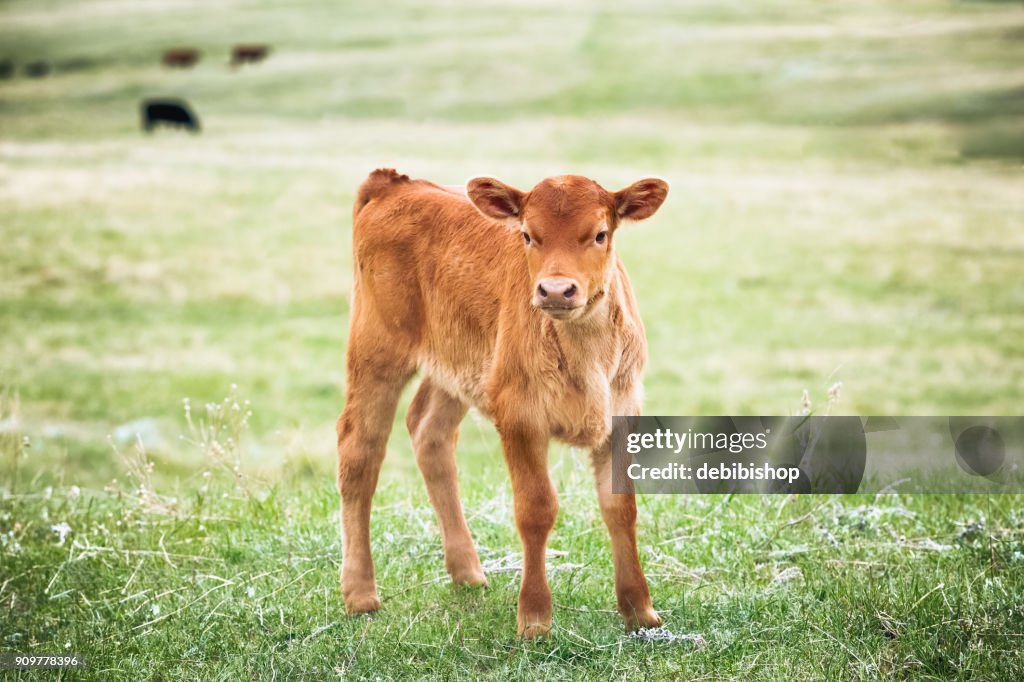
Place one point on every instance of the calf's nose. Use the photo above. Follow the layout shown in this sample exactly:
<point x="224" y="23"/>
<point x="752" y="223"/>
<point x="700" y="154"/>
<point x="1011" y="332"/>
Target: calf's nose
<point x="557" y="291"/>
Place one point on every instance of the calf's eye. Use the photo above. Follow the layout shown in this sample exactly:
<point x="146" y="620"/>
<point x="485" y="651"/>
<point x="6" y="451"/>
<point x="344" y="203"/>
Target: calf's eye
<point x="526" y="238"/>
<point x="601" y="236"/>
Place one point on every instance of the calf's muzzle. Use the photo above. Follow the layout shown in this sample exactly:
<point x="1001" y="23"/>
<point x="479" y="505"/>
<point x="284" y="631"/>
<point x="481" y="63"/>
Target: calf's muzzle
<point x="557" y="294"/>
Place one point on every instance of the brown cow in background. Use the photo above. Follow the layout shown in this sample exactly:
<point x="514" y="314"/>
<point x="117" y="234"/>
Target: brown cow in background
<point x="515" y="303"/>
<point x="181" y="58"/>
<point x="249" y="54"/>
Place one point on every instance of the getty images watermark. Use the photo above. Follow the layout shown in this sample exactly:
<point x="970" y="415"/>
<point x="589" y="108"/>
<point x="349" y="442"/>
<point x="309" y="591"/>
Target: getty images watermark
<point x="818" y="454"/>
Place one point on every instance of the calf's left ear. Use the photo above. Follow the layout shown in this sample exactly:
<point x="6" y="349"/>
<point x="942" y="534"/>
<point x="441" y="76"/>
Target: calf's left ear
<point x="641" y="199"/>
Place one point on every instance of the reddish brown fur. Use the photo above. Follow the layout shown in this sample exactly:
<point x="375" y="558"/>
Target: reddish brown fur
<point x="446" y="285"/>
<point x="183" y="58"/>
<point x="241" y="54"/>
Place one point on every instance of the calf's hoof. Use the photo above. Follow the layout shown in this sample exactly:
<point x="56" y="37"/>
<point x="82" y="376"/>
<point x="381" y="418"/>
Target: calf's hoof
<point x="363" y="603"/>
<point x="473" y="577"/>
<point x="533" y="630"/>
<point x="642" y="618"/>
<point x="463" y="565"/>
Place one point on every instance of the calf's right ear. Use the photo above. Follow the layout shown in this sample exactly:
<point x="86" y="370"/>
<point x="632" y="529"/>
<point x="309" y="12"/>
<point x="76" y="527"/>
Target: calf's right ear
<point x="495" y="199"/>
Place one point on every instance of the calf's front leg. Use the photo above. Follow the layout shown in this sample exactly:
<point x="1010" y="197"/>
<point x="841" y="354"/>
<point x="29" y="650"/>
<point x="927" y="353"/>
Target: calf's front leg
<point x="536" y="506"/>
<point x="619" y="512"/>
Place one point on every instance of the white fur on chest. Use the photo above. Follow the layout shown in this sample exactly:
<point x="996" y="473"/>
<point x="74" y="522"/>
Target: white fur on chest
<point x="464" y="383"/>
<point x="576" y="389"/>
<point x="580" y="413"/>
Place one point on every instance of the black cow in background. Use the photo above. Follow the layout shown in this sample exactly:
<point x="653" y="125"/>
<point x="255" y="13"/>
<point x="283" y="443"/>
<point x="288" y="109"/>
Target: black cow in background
<point x="6" y="69"/>
<point x="173" y="112"/>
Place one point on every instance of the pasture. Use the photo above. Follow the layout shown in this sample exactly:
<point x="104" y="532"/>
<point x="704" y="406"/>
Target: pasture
<point x="846" y="205"/>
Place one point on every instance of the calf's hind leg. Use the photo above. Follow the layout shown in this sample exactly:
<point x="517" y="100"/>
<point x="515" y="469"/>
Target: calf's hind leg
<point x="374" y="385"/>
<point x="433" y="420"/>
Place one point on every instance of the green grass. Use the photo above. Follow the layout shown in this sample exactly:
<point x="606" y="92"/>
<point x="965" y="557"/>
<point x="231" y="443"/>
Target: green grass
<point x="845" y="205"/>
<point x="241" y="582"/>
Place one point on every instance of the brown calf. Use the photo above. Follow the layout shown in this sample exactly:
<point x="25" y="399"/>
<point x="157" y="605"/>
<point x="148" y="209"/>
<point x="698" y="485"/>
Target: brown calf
<point x="181" y="58"/>
<point x="251" y="54"/>
<point x="512" y="302"/>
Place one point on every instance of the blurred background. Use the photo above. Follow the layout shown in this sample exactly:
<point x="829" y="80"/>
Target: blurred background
<point x="846" y="204"/>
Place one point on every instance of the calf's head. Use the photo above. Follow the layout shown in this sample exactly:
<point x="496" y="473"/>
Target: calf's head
<point x="567" y="225"/>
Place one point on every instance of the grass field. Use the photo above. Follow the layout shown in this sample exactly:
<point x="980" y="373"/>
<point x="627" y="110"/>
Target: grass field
<point x="846" y="206"/>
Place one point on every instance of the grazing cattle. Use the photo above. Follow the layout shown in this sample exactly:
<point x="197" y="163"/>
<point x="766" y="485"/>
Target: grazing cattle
<point x="6" y="69"/>
<point x="181" y="58"/>
<point x="248" y="54"/>
<point x="38" y="69"/>
<point x="517" y="304"/>
<point x="173" y="112"/>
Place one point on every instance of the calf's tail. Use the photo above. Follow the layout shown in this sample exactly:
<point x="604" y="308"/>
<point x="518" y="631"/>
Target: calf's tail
<point x="378" y="182"/>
